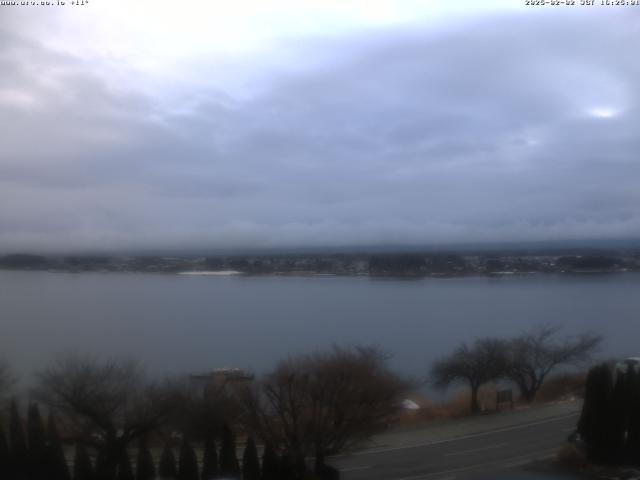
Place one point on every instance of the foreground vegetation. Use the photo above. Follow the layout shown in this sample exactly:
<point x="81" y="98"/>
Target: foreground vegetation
<point x="525" y="360"/>
<point x="609" y="427"/>
<point x="288" y="421"/>
<point x="310" y="406"/>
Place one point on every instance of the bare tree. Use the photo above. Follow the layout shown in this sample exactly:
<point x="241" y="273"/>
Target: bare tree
<point x="483" y="361"/>
<point x="109" y="402"/>
<point x="202" y="412"/>
<point x="535" y="354"/>
<point x="324" y="403"/>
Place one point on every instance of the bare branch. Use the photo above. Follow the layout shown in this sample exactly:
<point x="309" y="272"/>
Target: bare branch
<point x="324" y="403"/>
<point x="107" y="400"/>
<point x="535" y="354"/>
<point x="483" y="361"/>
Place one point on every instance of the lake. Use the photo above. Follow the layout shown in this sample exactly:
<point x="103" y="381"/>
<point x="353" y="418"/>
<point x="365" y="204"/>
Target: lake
<point x="179" y="323"/>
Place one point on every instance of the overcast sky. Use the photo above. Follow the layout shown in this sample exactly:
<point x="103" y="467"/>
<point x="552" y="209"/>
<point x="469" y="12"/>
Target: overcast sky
<point x="284" y="123"/>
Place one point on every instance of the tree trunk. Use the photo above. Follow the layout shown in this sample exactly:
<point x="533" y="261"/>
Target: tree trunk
<point x="324" y="471"/>
<point x="300" y="465"/>
<point x="475" y="406"/>
<point x="527" y="393"/>
<point x="112" y="451"/>
<point x="319" y="459"/>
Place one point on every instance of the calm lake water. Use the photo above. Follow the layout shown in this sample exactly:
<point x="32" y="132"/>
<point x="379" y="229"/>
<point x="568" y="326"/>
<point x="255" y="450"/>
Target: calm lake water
<point x="177" y="323"/>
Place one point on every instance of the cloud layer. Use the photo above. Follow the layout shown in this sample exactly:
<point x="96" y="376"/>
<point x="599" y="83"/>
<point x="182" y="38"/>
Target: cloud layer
<point x="507" y="126"/>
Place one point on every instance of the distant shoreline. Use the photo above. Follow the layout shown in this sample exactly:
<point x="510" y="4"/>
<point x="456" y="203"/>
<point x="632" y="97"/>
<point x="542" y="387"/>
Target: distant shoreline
<point x="307" y="274"/>
<point x="401" y="265"/>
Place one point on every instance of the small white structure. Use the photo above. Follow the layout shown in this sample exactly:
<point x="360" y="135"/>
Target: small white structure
<point x="408" y="404"/>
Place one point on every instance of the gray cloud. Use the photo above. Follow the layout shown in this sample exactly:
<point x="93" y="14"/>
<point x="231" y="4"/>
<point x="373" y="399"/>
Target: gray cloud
<point x="481" y="132"/>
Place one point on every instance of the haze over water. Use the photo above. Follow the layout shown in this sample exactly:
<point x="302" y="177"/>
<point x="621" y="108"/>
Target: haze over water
<point x="188" y="324"/>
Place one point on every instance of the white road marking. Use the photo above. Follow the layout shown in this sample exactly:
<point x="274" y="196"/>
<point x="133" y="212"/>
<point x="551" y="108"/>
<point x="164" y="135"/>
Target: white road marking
<point x="464" y="437"/>
<point x="355" y="469"/>
<point x="527" y="460"/>
<point x="481" y="449"/>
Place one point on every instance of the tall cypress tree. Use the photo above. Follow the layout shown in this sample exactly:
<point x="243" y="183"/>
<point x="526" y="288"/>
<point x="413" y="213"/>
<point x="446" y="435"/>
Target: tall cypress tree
<point x="229" y="465"/>
<point x="18" y="444"/>
<point x="105" y="469"/>
<point x="633" y="438"/>
<point x="145" y="469"/>
<point x="82" y="468"/>
<point x="167" y="467"/>
<point x="187" y="462"/>
<point x="588" y="416"/>
<point x="210" y="458"/>
<point x="100" y="471"/>
<point x="37" y="445"/>
<point x="618" y="424"/>
<point x="632" y="403"/>
<point x="594" y="424"/>
<point x="58" y="468"/>
<point x="125" y="472"/>
<point x="270" y="464"/>
<point x="287" y="470"/>
<point x="5" y="457"/>
<point x="250" y="462"/>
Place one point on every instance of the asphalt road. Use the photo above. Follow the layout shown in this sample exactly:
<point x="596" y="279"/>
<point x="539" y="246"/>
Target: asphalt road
<point x="495" y="454"/>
